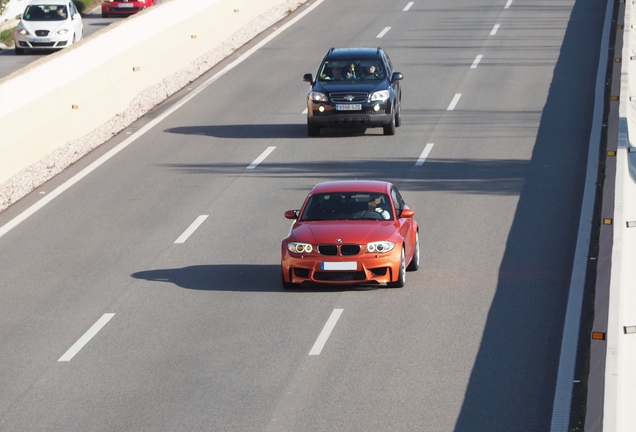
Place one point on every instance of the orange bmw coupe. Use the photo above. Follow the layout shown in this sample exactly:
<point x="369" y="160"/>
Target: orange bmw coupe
<point x="351" y="232"/>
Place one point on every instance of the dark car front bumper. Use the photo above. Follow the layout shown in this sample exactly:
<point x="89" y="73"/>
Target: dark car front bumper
<point x="367" y="117"/>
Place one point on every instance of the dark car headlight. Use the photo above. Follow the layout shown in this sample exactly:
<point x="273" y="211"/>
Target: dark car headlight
<point x="381" y="95"/>
<point x="317" y="96"/>
<point x="380" y="247"/>
<point x="298" y="247"/>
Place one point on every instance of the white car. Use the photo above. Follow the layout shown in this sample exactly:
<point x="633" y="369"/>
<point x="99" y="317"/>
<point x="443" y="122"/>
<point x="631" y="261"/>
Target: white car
<point x="48" y="25"/>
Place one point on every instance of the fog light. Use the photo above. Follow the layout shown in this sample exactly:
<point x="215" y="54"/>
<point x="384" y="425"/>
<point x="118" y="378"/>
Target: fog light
<point x="321" y="109"/>
<point x="376" y="108"/>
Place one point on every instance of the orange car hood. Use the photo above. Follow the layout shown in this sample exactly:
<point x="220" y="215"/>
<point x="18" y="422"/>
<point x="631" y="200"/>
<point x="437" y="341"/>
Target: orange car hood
<point x="357" y="232"/>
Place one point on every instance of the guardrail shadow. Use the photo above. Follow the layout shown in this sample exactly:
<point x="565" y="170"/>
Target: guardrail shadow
<point x="512" y="383"/>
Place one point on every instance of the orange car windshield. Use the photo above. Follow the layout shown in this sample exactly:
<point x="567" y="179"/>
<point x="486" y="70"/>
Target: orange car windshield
<point x="347" y="206"/>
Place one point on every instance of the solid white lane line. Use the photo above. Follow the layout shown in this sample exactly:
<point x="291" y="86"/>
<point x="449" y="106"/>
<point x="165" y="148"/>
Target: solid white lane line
<point x="50" y="197"/>
<point x="424" y="154"/>
<point x="326" y="331"/>
<point x="383" y="32"/>
<point x="494" y="30"/>
<point x="261" y="158"/>
<point x="77" y="346"/>
<point x="408" y="6"/>
<point x="453" y="103"/>
<point x="508" y="4"/>
<point x="192" y="228"/>
<point x="476" y="62"/>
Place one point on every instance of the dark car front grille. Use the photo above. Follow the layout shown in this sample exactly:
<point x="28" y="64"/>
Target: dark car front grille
<point x="42" y="44"/>
<point x="335" y="276"/>
<point x="301" y="273"/>
<point x="350" y="97"/>
<point x="345" y="250"/>
<point x="41" y="32"/>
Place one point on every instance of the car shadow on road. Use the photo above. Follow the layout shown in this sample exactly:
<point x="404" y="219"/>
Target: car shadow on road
<point x="265" y="131"/>
<point x="235" y="277"/>
<point x="243" y="131"/>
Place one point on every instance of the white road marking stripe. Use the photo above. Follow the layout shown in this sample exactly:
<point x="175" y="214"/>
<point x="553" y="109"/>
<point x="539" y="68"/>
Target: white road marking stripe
<point x="326" y="332"/>
<point x="453" y="103"/>
<point x="476" y="62"/>
<point x="304" y="112"/>
<point x="192" y="228"/>
<point x="44" y="201"/>
<point x="383" y="32"/>
<point x="408" y="6"/>
<point x="508" y="4"/>
<point x="424" y="154"/>
<point x="77" y="346"/>
<point x="261" y="158"/>
<point x="494" y="30"/>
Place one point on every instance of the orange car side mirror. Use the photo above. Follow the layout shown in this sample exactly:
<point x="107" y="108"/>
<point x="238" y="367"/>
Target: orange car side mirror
<point x="407" y="213"/>
<point x="291" y="214"/>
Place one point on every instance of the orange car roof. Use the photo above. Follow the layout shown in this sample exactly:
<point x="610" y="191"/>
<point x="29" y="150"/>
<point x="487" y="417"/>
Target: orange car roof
<point x="353" y="186"/>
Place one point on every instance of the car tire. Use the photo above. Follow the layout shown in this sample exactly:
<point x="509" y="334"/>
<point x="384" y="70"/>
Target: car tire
<point x="398" y="115"/>
<point x="287" y="285"/>
<point x="313" y="130"/>
<point x="414" y="265"/>
<point x="19" y="51"/>
<point x="390" y="128"/>
<point x="401" y="281"/>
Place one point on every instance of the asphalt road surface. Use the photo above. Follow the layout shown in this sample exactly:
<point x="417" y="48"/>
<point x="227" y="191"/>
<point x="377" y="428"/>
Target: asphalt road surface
<point x="203" y="338"/>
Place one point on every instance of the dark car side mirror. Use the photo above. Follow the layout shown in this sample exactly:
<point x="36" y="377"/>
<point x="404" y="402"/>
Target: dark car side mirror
<point x="292" y="214"/>
<point x="308" y="78"/>
<point x="396" y="76"/>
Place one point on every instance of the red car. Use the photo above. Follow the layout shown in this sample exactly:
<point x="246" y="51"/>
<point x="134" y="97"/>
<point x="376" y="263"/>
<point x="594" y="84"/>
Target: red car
<point x="124" y="7"/>
<point x="351" y="232"/>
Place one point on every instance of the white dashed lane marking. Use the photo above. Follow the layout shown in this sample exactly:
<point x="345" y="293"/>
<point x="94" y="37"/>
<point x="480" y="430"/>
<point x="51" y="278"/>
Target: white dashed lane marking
<point x="453" y="103"/>
<point x="192" y="228"/>
<point x="424" y="154"/>
<point x="326" y="332"/>
<point x="494" y="30"/>
<point x="476" y="62"/>
<point x="261" y="158"/>
<point x="383" y="32"/>
<point x="408" y="6"/>
<point x="77" y="346"/>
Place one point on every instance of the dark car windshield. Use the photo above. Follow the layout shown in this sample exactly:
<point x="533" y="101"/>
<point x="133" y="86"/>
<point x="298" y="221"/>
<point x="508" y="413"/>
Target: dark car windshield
<point x="45" y="13"/>
<point x="347" y="206"/>
<point x="358" y="69"/>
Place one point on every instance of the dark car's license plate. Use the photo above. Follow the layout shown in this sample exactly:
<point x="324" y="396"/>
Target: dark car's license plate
<point x="349" y="107"/>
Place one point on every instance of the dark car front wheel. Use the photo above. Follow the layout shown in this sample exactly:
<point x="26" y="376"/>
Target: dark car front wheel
<point x="398" y="115"/>
<point x="390" y="128"/>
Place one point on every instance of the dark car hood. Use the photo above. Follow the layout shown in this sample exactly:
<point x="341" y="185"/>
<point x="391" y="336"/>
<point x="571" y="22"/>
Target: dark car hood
<point x="349" y="86"/>
<point x="353" y="232"/>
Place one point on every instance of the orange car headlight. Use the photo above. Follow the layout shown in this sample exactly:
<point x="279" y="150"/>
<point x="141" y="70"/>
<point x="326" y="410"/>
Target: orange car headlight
<point x="380" y="247"/>
<point x="300" y="248"/>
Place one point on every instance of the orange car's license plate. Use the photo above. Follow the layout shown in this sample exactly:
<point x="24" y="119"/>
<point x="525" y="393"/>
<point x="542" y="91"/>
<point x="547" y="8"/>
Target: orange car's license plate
<point x="349" y="265"/>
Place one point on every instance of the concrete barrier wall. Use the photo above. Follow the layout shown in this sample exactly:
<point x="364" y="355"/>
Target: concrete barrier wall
<point x="73" y="92"/>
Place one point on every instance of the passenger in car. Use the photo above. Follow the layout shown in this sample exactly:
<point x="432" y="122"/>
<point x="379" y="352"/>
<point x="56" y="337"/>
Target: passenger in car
<point x="370" y="72"/>
<point x="337" y="74"/>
